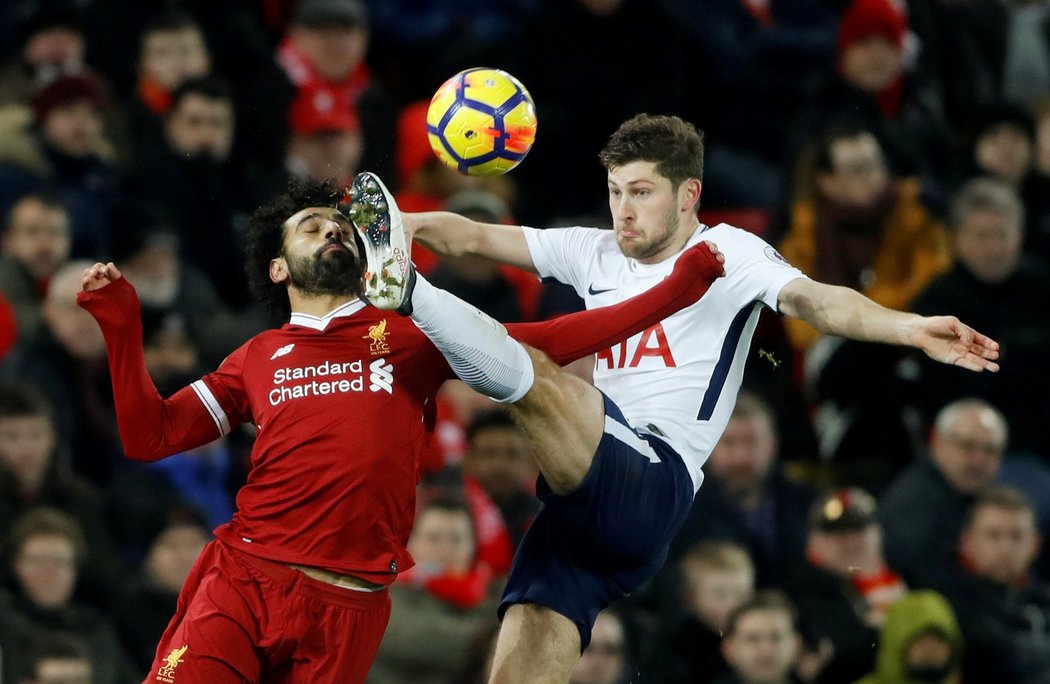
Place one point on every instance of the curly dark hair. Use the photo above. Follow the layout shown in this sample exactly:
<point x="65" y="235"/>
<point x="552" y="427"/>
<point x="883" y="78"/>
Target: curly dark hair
<point x="264" y="240"/>
<point x="676" y="146"/>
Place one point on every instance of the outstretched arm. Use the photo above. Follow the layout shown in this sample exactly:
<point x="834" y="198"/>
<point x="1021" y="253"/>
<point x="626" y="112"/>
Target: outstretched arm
<point x="454" y="235"/>
<point x="844" y="312"/>
<point x="576" y="335"/>
<point x="150" y="427"/>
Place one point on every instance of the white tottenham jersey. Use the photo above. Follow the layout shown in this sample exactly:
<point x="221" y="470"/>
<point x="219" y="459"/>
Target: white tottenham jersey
<point x="680" y="377"/>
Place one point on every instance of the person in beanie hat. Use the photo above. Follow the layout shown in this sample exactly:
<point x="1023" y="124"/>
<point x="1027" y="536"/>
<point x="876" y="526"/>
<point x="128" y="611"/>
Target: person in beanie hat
<point x="58" y="143"/>
<point x="873" y="87"/>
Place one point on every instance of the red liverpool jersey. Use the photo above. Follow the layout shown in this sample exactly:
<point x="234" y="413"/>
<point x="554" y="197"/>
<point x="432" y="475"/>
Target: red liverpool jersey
<point x="338" y="403"/>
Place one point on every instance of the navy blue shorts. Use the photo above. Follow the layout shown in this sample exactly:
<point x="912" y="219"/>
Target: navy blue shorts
<point x="600" y="542"/>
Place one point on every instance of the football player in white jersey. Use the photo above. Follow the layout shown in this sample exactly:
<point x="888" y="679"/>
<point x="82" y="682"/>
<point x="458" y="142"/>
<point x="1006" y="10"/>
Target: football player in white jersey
<point x="620" y="464"/>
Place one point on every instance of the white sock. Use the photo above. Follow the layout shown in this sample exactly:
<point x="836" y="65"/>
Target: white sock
<point x="477" y="346"/>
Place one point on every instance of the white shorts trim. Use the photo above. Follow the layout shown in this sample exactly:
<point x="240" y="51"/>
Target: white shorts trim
<point x="629" y="437"/>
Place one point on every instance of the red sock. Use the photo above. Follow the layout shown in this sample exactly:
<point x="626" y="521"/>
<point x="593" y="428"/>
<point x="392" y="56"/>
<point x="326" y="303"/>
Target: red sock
<point x="576" y="335"/>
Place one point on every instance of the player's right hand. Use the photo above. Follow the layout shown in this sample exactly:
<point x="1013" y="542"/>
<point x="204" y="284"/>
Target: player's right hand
<point x="98" y="276"/>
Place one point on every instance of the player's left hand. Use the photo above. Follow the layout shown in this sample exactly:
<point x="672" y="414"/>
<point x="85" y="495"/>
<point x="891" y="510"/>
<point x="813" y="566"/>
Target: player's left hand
<point x="949" y="340"/>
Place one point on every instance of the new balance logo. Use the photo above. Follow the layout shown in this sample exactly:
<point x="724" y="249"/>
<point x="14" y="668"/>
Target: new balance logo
<point x="282" y="351"/>
<point x="381" y="376"/>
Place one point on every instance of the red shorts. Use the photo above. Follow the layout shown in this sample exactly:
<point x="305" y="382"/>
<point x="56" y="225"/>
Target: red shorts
<point x="244" y="619"/>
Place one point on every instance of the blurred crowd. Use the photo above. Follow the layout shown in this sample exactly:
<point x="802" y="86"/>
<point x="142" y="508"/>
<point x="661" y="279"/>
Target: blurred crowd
<point x="868" y="515"/>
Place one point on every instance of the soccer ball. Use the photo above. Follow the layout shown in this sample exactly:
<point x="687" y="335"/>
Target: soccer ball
<point x="481" y="122"/>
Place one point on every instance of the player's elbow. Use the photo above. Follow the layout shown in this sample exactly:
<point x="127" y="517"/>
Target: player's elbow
<point x="144" y="452"/>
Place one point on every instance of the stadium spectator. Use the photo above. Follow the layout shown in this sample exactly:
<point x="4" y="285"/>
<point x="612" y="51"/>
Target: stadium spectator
<point x="923" y="510"/>
<point x="321" y="55"/>
<point x="441" y="605"/>
<point x="991" y="285"/>
<point x="35" y="471"/>
<point x="45" y="551"/>
<point x="172" y="50"/>
<point x="714" y="579"/>
<point x="762" y="643"/>
<point x="498" y="480"/>
<point x="920" y="641"/>
<point x="746" y="496"/>
<point x="67" y="361"/>
<point x="194" y="185"/>
<point x="50" y="41"/>
<point x="1003" y="610"/>
<point x="147" y="600"/>
<point x="845" y="587"/>
<point x="325" y="140"/>
<point x="606" y="659"/>
<point x="857" y="224"/>
<point x="872" y="87"/>
<point x="58" y="144"/>
<point x="58" y="659"/>
<point x="34" y="244"/>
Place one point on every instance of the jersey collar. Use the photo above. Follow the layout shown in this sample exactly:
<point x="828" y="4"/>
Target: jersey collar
<point x="308" y="321"/>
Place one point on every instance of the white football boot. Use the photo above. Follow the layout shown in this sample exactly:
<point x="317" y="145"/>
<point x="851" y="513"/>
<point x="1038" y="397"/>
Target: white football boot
<point x="389" y="274"/>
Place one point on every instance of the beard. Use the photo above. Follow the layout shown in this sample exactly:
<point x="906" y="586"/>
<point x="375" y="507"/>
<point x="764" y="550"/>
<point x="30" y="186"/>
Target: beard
<point x="643" y="249"/>
<point x="331" y="272"/>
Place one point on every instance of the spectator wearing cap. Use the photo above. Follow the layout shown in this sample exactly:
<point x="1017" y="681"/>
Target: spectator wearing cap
<point x="325" y="141"/>
<point x="193" y="185"/>
<point x="872" y="86"/>
<point x="924" y="507"/>
<point x="1003" y="609"/>
<point x="322" y="55"/>
<point x="59" y="145"/>
<point x="845" y="586"/>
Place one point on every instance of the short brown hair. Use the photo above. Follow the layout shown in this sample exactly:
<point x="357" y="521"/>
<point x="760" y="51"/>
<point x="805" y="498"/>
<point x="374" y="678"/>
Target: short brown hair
<point x="41" y="522"/>
<point x="718" y="554"/>
<point x="768" y="599"/>
<point x="676" y="146"/>
<point x="1001" y="497"/>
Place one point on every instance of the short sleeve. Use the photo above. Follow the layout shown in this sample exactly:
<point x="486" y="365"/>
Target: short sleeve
<point x="755" y="271"/>
<point x="563" y="254"/>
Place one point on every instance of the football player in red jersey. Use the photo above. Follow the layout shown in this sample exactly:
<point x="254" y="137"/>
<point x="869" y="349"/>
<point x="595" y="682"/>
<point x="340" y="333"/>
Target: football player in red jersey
<point x="293" y="588"/>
